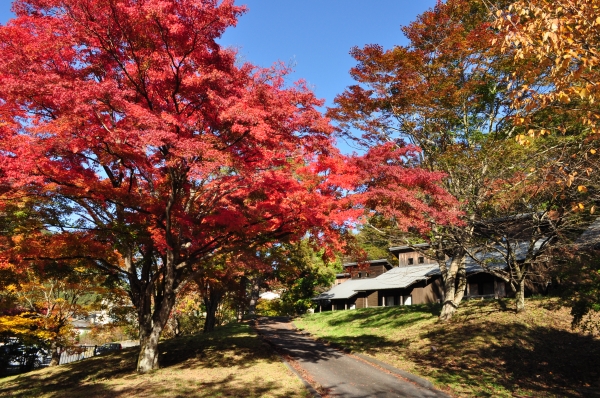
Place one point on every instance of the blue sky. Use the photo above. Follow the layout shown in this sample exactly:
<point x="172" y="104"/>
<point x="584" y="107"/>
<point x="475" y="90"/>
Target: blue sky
<point x="314" y="36"/>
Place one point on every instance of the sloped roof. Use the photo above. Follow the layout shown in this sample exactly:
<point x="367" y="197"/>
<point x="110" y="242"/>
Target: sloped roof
<point x="396" y="278"/>
<point x="381" y="261"/>
<point x="401" y="277"/>
<point x="495" y="259"/>
<point x="590" y="238"/>
<point x="404" y="249"/>
<point x="342" y="291"/>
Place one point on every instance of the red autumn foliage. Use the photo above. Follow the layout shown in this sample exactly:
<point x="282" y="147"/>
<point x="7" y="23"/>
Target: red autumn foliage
<point x="154" y="151"/>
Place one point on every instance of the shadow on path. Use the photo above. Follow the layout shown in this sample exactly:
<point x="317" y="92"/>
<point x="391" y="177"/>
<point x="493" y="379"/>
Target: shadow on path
<point x="339" y="374"/>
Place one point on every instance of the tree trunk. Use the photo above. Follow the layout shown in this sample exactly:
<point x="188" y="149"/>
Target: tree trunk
<point x="148" y="357"/>
<point x="55" y="352"/>
<point x="211" y="302"/>
<point x="454" y="280"/>
<point x="254" y="292"/>
<point x="520" y="296"/>
<point x="152" y="322"/>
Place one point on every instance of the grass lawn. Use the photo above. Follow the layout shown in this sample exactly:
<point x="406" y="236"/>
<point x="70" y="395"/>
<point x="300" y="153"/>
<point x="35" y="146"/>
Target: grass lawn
<point x="486" y="350"/>
<point x="230" y="362"/>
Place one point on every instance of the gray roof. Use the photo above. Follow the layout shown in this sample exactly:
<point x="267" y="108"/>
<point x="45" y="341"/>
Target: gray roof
<point x="408" y="248"/>
<point x="396" y="278"/>
<point x="401" y="277"/>
<point x="590" y="238"/>
<point x="383" y="261"/>
<point x="495" y="258"/>
<point x="342" y="291"/>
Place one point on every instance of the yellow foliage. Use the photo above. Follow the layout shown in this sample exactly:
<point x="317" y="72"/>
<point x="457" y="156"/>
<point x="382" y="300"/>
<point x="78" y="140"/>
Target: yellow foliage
<point x="26" y="325"/>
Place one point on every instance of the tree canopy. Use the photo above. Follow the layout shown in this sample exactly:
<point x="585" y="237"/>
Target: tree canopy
<point x="156" y="152"/>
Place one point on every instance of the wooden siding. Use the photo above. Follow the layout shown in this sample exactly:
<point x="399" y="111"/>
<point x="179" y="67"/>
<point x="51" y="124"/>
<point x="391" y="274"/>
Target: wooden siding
<point x="340" y="280"/>
<point x="427" y="292"/>
<point x="372" y="299"/>
<point x="424" y="292"/>
<point x="403" y="259"/>
<point x="485" y="285"/>
<point x="373" y="271"/>
<point x="361" y="300"/>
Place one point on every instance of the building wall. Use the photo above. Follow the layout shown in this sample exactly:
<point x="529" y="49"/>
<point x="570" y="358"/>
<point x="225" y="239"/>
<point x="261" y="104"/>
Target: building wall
<point x="403" y="259"/>
<point x="372" y="271"/>
<point x="373" y="299"/>
<point x="361" y="300"/>
<point x="424" y="292"/>
<point x="367" y="299"/>
<point x="430" y="291"/>
<point x="341" y="279"/>
<point x="485" y="285"/>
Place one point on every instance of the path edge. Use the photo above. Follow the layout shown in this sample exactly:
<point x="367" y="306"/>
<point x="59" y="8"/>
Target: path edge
<point x="406" y="375"/>
<point x="307" y="385"/>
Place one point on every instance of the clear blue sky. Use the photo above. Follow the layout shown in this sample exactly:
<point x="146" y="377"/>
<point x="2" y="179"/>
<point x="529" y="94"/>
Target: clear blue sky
<point x="315" y="36"/>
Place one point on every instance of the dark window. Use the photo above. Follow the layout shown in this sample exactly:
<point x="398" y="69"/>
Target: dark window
<point x="358" y="275"/>
<point x="421" y="260"/>
<point x="366" y="275"/>
<point x="488" y="288"/>
<point x="473" y="289"/>
<point x="411" y="261"/>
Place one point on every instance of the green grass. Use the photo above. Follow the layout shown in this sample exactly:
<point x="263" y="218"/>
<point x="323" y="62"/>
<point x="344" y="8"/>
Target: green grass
<point x="230" y="362"/>
<point x="486" y="350"/>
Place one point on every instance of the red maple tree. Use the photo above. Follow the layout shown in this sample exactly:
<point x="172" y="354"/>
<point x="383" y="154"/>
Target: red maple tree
<point x="154" y="150"/>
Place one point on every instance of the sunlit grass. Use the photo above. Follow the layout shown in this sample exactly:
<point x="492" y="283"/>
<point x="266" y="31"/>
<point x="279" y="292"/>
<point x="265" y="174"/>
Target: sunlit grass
<point x="486" y="350"/>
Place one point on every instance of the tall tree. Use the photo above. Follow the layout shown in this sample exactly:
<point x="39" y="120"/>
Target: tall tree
<point x="444" y="93"/>
<point x="161" y="151"/>
<point x="157" y="152"/>
<point x="555" y="90"/>
<point x="555" y="45"/>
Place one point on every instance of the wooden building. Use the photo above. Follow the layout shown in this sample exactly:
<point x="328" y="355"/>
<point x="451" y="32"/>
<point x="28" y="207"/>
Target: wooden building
<point x="415" y="280"/>
<point x="381" y="285"/>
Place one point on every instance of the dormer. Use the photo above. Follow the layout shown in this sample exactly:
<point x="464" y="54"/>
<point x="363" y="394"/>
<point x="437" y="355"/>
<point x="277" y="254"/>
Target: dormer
<point x="409" y="256"/>
<point x="374" y="269"/>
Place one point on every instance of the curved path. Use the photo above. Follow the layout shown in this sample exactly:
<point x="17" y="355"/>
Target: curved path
<point x="338" y="374"/>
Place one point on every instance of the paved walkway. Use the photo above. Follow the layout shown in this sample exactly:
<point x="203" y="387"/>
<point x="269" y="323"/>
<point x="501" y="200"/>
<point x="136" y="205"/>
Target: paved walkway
<point x="339" y="374"/>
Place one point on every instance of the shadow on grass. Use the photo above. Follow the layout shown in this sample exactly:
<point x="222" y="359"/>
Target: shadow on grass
<point x="392" y="317"/>
<point x="233" y="345"/>
<point x="476" y="350"/>
<point x="545" y="360"/>
<point x="225" y="387"/>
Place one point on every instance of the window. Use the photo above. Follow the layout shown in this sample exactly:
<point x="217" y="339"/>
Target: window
<point x="366" y="274"/>
<point x="358" y="275"/>
<point x="474" y="289"/>
<point x="421" y="260"/>
<point x="411" y="261"/>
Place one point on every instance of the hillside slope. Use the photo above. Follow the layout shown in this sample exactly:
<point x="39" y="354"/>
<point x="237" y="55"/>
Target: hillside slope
<point x="230" y="362"/>
<point x="486" y="350"/>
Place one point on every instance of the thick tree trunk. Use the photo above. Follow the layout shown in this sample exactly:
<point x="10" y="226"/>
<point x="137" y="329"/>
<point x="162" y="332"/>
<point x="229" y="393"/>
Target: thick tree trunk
<point x="152" y="323"/>
<point x="211" y="302"/>
<point x="148" y="357"/>
<point x="454" y="280"/>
